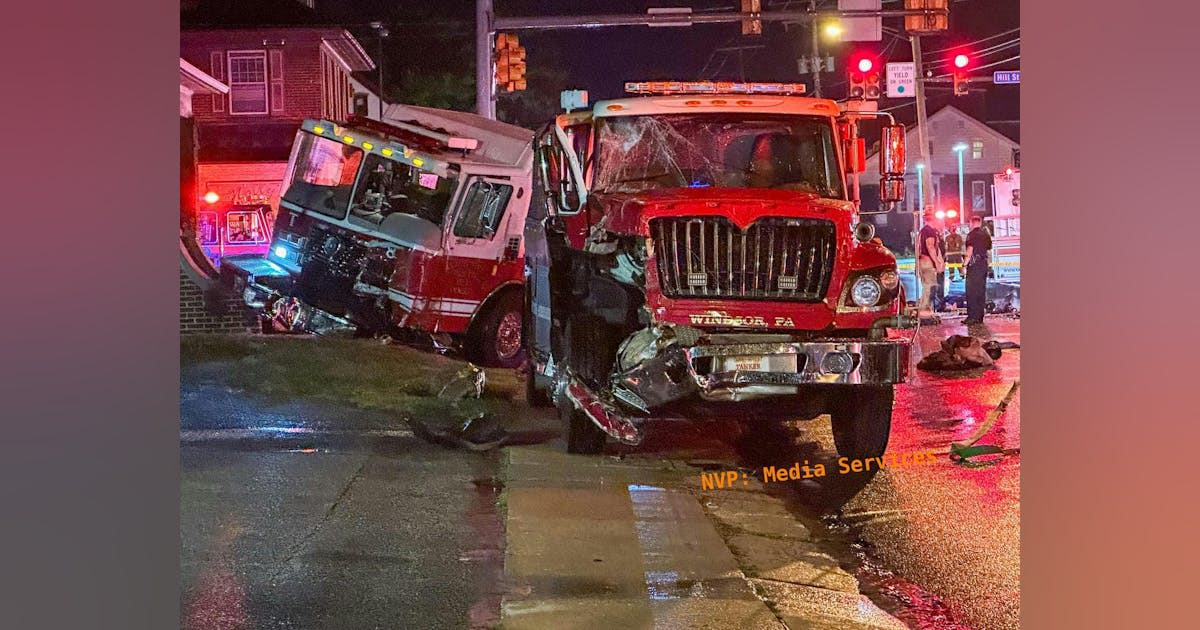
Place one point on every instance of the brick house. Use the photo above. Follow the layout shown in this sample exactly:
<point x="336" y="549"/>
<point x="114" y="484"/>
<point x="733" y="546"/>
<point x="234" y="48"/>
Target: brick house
<point x="240" y="138"/>
<point x="283" y="63"/>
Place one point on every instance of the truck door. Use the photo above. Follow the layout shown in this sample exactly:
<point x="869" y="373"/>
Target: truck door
<point x="552" y="187"/>
<point x="478" y="242"/>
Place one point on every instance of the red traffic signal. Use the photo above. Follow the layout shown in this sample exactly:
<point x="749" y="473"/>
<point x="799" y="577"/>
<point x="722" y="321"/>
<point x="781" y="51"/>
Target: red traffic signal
<point x="962" y="61"/>
<point x="864" y="76"/>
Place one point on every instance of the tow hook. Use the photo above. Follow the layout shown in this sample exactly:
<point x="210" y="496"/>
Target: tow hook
<point x="879" y="328"/>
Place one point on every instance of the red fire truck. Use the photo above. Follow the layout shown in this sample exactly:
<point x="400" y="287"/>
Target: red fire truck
<point x="414" y="222"/>
<point x="695" y="252"/>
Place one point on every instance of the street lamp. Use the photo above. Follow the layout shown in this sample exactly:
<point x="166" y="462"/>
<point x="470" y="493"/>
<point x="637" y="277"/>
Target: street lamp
<point x="920" y="186"/>
<point x="832" y="30"/>
<point x="959" y="148"/>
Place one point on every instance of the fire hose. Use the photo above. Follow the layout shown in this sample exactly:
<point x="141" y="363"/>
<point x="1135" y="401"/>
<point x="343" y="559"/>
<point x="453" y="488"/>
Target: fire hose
<point x="962" y="451"/>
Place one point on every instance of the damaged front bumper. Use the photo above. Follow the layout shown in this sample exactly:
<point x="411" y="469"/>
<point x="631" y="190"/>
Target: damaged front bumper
<point x="663" y="365"/>
<point x="744" y="370"/>
<point x="257" y="279"/>
<point x="266" y="287"/>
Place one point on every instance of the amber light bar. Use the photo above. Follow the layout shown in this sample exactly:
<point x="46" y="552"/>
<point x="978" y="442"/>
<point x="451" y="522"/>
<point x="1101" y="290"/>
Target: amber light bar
<point x="711" y="87"/>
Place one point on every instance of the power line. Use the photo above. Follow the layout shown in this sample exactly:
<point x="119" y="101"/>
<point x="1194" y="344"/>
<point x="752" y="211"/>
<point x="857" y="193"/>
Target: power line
<point x="1016" y="43"/>
<point x="978" y="41"/>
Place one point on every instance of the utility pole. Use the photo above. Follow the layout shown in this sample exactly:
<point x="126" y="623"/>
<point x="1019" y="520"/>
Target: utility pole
<point x="816" y="51"/>
<point x="484" y="104"/>
<point x="922" y="128"/>
<point x="382" y="33"/>
<point x="924" y="175"/>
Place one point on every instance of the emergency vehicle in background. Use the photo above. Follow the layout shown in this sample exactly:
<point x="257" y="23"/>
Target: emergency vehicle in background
<point x="695" y="252"/>
<point x="230" y="229"/>
<point x="1006" y="226"/>
<point x="412" y="222"/>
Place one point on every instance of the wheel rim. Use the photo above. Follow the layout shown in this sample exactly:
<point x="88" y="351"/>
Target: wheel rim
<point x="508" y="335"/>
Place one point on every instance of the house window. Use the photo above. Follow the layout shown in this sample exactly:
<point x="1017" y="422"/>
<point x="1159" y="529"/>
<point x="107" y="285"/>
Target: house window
<point x="979" y="196"/>
<point x="976" y="149"/>
<point x="248" y="82"/>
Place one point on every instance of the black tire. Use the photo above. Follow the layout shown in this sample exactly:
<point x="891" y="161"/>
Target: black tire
<point x="583" y="436"/>
<point x="534" y="395"/>
<point x="862" y="420"/>
<point x="495" y="339"/>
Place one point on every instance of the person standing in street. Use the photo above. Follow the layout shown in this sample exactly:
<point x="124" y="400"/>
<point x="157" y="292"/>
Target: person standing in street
<point x="929" y="262"/>
<point x="979" y="243"/>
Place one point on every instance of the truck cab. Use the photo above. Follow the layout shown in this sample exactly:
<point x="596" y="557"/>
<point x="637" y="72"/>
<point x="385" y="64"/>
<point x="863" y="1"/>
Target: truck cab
<point x="695" y="251"/>
<point x="414" y="222"/>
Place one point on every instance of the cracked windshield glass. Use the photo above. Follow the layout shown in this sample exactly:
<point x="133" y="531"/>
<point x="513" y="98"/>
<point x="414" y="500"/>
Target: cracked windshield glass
<point x="640" y="153"/>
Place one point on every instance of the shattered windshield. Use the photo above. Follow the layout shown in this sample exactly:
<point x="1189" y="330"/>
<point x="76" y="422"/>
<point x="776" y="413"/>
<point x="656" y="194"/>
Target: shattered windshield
<point x="323" y="173"/>
<point x="637" y="153"/>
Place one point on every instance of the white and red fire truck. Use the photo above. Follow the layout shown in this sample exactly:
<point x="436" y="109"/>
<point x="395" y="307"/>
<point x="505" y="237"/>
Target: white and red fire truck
<point x="413" y="222"/>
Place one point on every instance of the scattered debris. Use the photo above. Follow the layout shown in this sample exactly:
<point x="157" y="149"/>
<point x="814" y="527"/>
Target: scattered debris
<point x="478" y="432"/>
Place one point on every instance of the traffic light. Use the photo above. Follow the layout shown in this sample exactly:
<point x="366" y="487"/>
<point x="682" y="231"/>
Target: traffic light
<point x="864" y="76"/>
<point x="927" y="24"/>
<point x="962" y="63"/>
<point x="510" y="62"/>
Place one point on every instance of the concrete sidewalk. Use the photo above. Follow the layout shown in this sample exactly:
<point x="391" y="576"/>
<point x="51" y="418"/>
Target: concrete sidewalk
<point x="601" y="542"/>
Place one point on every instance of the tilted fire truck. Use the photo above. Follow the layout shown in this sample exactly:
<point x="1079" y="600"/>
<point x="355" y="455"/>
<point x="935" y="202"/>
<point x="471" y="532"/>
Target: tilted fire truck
<point x="694" y="252"/>
<point x="414" y="222"/>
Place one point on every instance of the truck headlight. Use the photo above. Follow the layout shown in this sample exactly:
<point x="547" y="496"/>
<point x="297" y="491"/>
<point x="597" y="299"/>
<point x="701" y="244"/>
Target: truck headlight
<point x="866" y="291"/>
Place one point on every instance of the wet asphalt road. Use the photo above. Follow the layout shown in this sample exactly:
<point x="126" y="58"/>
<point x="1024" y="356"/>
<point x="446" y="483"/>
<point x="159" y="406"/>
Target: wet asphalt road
<point x="310" y="516"/>
<point x="937" y="545"/>
<point x="300" y="515"/>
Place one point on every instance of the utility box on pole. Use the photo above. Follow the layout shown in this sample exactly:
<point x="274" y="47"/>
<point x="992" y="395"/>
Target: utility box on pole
<point x="861" y="29"/>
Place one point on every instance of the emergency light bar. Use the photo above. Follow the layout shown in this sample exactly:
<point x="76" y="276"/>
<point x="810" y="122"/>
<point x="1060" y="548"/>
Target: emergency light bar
<point x="445" y="139"/>
<point x="711" y="87"/>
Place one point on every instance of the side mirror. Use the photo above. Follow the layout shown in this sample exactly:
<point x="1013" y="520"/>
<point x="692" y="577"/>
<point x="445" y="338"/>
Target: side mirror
<point x="891" y="164"/>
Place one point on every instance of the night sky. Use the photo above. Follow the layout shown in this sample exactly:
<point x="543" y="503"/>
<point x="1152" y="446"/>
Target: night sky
<point x="437" y="38"/>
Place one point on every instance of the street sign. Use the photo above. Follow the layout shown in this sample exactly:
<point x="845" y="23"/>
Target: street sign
<point x="901" y="79"/>
<point x="1006" y="77"/>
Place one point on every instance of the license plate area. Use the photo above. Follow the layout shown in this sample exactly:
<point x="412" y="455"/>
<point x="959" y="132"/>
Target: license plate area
<point x="781" y="363"/>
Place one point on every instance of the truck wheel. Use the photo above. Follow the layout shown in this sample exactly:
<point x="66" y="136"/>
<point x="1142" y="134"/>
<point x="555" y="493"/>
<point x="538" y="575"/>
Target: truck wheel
<point x="583" y="436"/>
<point x="862" y="420"/>
<point x="495" y="340"/>
<point x="535" y="396"/>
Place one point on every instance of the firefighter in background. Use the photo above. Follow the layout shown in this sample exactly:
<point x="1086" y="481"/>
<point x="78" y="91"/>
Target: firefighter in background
<point x="979" y="242"/>
<point x="954" y="251"/>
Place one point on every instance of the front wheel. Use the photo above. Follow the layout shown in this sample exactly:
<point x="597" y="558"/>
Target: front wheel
<point x="495" y="340"/>
<point x="583" y="436"/>
<point x="862" y="420"/>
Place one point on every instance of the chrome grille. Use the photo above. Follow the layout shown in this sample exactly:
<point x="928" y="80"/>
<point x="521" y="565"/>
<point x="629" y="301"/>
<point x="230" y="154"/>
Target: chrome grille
<point x="773" y="259"/>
